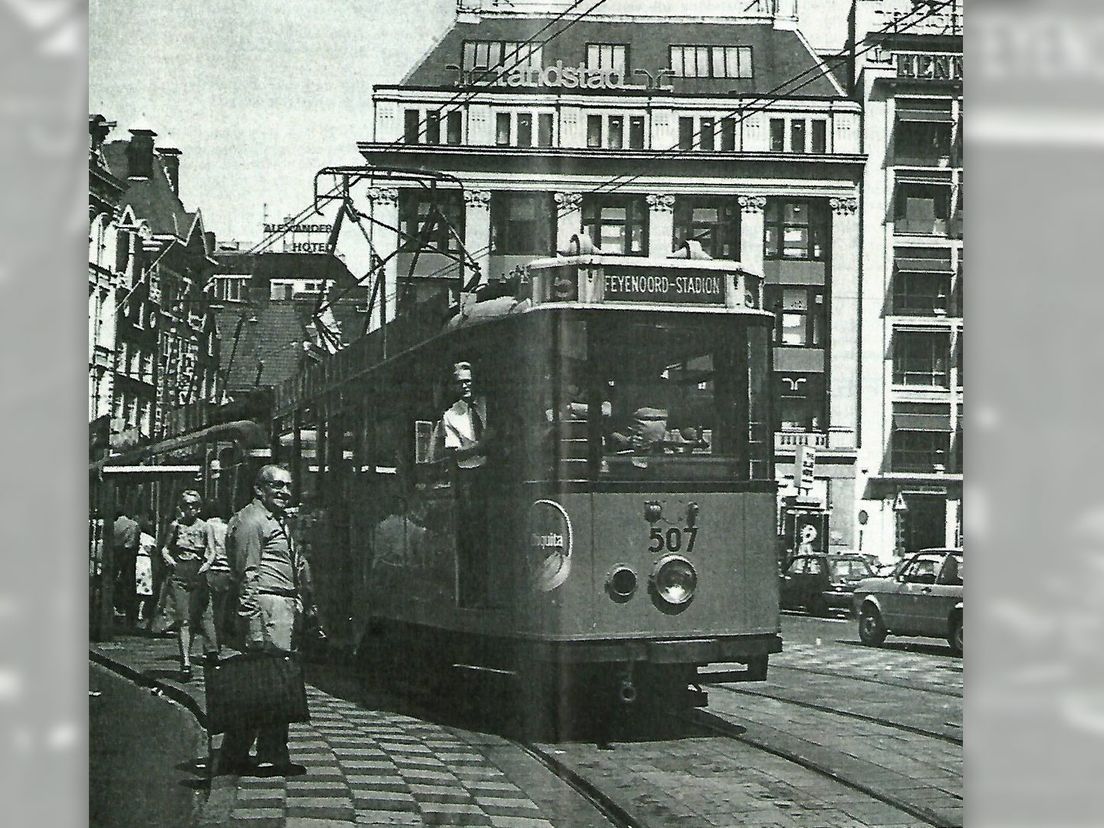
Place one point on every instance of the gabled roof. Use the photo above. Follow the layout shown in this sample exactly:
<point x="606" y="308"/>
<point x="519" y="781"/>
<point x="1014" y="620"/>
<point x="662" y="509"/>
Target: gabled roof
<point x="152" y="198"/>
<point x="778" y="54"/>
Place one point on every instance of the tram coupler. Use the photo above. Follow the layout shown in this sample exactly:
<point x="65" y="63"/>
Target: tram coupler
<point x="626" y="690"/>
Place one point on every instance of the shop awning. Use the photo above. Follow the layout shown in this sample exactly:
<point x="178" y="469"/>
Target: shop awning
<point x="924" y="116"/>
<point x="918" y="264"/>
<point x="922" y="422"/>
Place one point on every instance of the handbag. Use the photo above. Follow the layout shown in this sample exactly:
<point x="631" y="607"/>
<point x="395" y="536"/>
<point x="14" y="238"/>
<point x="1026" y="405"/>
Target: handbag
<point x="254" y="690"/>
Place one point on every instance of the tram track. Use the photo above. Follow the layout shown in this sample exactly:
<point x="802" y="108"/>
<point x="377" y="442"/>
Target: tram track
<point x="884" y="682"/>
<point x="849" y="714"/>
<point x="722" y="726"/>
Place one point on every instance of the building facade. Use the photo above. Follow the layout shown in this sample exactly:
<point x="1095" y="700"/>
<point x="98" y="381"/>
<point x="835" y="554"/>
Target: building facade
<point x="644" y="132"/>
<point x="166" y="347"/>
<point x="910" y="463"/>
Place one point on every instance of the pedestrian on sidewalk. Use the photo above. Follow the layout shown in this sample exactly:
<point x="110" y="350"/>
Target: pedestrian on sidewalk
<point x="220" y="580"/>
<point x="188" y="552"/>
<point x="125" y="548"/>
<point x="267" y="570"/>
<point x="143" y="574"/>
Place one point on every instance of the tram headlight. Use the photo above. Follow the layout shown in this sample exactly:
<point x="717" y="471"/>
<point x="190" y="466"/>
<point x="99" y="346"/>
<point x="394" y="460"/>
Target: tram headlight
<point x="621" y="583"/>
<point x="674" y="580"/>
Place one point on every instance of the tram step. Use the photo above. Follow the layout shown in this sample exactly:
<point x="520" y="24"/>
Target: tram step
<point x="479" y="668"/>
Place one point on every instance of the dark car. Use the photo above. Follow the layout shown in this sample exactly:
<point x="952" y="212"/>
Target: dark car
<point x="818" y="583"/>
<point x="922" y="597"/>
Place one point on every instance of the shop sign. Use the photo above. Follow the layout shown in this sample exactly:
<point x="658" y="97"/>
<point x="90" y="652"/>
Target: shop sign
<point x="287" y="227"/>
<point x="928" y="66"/>
<point x="805" y="468"/>
<point x="637" y="285"/>
<point x="305" y="247"/>
<point x="558" y="76"/>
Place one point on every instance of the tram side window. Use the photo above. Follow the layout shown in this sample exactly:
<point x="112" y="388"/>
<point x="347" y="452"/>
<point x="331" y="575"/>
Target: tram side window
<point x="312" y="458"/>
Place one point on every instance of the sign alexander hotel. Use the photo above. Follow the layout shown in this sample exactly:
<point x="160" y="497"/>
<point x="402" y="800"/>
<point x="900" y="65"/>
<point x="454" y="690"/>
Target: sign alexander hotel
<point x="775" y="186"/>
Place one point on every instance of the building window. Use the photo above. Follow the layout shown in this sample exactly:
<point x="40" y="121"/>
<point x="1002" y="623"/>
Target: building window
<point x="617" y="225"/>
<point x="608" y="56"/>
<point x="795" y="230"/>
<point x="707" y="134"/>
<point x="923" y="131"/>
<point x="147" y="368"/>
<point x="797" y="135"/>
<point x="522" y="224"/>
<point x="801" y="401"/>
<point x="525" y="129"/>
<point x="279" y="289"/>
<point x="616" y="136"/>
<point x="686" y="133"/>
<point x="636" y="132"/>
<point x="502" y="129"/>
<point x="715" y="223"/>
<point x="498" y="55"/>
<point x="921" y="438"/>
<point x="594" y="130"/>
<point x="433" y="126"/>
<point x="121" y="357"/>
<point x="921" y="281"/>
<point x="778" y="134"/>
<point x="452" y="128"/>
<point x="799" y="315"/>
<point x="412" y="131"/>
<point x="728" y="135"/>
<point x="921" y="208"/>
<point x="414" y="210"/>
<point x="231" y="289"/>
<point x="145" y="425"/>
<point x="544" y="129"/>
<point x="711" y="61"/>
<point x="820" y="137"/>
<point x="920" y="358"/>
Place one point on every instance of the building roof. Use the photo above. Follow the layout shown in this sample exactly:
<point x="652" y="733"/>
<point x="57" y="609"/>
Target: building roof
<point x="264" y="267"/>
<point x="778" y="54"/>
<point x="152" y="198"/>
<point x="271" y="337"/>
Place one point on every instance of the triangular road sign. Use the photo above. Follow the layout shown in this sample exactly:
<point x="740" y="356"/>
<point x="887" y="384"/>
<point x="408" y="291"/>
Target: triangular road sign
<point x="899" y="504"/>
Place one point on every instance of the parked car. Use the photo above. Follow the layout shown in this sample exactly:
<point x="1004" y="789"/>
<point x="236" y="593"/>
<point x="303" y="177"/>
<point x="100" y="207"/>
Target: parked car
<point x="819" y="582"/>
<point x="922" y="597"/>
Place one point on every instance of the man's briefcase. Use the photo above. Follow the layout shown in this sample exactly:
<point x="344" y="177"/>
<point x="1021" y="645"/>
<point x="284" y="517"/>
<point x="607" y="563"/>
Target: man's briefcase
<point x="254" y="690"/>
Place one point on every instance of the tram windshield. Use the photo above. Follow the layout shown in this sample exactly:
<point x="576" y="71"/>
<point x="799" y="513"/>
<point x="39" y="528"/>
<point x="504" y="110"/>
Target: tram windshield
<point x="678" y="398"/>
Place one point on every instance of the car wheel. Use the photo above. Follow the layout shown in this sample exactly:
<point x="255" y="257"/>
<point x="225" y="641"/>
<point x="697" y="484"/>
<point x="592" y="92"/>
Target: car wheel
<point x="817" y="606"/>
<point x="872" y="631"/>
<point x="955" y="638"/>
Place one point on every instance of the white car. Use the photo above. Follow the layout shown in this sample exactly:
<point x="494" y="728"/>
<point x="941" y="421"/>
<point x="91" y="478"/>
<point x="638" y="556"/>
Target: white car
<point x="922" y="597"/>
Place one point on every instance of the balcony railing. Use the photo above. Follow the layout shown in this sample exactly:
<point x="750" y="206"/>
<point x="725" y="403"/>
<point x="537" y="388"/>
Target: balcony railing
<point x="788" y="440"/>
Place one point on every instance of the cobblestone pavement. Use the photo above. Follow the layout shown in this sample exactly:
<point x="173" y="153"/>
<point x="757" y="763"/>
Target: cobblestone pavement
<point x="369" y="766"/>
<point x="371" y="763"/>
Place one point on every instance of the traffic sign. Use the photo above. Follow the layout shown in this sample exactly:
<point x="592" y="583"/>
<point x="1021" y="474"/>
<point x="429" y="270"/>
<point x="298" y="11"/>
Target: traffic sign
<point x="899" y="504"/>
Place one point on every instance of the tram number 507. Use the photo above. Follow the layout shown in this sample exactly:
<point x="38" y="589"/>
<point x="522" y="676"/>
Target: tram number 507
<point x="673" y="539"/>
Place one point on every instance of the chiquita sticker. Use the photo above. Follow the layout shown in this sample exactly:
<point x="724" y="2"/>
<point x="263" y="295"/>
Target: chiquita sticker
<point x="549" y="546"/>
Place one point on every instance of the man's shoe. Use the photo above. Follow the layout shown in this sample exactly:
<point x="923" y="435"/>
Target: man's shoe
<point x="186" y="673"/>
<point x="280" y="769"/>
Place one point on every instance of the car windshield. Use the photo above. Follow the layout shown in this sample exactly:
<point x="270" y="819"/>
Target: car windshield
<point x="850" y="568"/>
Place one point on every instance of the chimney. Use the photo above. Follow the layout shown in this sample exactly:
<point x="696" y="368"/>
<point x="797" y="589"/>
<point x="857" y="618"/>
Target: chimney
<point x="170" y="161"/>
<point x="139" y="153"/>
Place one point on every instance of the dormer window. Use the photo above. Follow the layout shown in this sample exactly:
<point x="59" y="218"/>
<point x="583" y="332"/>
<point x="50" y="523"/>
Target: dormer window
<point x="609" y="57"/>
<point x="490" y="55"/>
<point x="711" y="61"/>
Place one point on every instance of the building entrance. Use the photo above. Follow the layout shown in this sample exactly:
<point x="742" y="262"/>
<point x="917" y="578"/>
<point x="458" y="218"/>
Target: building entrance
<point x="924" y="523"/>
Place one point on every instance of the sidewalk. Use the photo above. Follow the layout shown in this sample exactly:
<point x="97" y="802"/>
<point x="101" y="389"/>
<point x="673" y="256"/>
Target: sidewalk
<point x="365" y="766"/>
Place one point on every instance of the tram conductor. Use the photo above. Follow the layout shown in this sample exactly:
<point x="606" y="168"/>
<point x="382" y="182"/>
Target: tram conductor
<point x="268" y="572"/>
<point x="466" y="442"/>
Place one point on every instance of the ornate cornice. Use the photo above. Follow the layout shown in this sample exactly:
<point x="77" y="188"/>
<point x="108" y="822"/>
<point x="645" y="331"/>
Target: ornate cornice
<point x="479" y="199"/>
<point x="569" y="201"/>
<point x="383" y="196"/>
<point x="844" y="206"/>
<point x="751" y="204"/>
<point x="661" y="202"/>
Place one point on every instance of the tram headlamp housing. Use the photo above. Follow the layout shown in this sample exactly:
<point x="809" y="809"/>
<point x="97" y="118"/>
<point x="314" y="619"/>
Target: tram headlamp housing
<point x="674" y="580"/>
<point x="621" y="583"/>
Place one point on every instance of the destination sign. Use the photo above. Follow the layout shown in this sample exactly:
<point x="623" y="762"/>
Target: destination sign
<point x="656" y="285"/>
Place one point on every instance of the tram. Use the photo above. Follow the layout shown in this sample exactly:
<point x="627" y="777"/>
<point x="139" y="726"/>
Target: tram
<point x="627" y="525"/>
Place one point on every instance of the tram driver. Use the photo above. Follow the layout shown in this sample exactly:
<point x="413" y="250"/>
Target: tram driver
<point x="466" y="441"/>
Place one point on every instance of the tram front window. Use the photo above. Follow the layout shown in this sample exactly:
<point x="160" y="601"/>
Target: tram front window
<point x="675" y="397"/>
